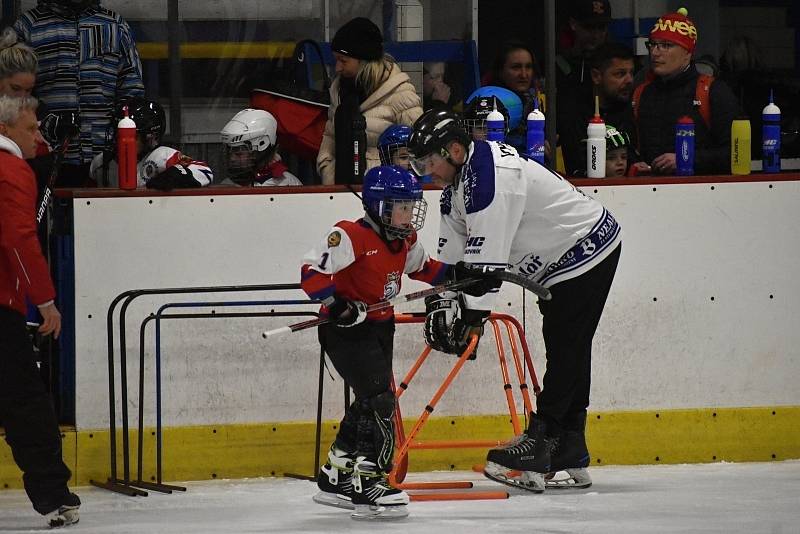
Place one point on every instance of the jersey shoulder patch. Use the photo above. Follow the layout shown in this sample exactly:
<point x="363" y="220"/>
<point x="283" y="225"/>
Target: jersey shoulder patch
<point x="446" y="200"/>
<point x="478" y="176"/>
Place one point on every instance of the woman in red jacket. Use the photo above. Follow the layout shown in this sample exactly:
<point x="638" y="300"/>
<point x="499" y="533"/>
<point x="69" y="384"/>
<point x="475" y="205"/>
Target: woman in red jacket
<point x="25" y="406"/>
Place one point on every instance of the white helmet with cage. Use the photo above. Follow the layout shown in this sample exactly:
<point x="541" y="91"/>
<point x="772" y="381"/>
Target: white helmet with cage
<point x="247" y="139"/>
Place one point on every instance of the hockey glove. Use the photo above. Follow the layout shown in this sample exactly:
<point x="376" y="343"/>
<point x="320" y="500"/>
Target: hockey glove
<point x="486" y="281"/>
<point x="467" y="323"/>
<point x="440" y="314"/>
<point x="58" y="127"/>
<point x="176" y="177"/>
<point x="346" y="313"/>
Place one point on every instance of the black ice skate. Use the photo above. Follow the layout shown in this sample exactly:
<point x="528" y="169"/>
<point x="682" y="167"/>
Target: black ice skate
<point x="570" y="455"/>
<point x="335" y="480"/>
<point x="373" y="496"/>
<point x="524" y="461"/>
<point x="66" y="514"/>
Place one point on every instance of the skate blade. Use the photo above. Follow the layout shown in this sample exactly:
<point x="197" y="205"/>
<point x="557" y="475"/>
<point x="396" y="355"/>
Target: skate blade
<point x="527" y="480"/>
<point x="368" y="512"/>
<point x="577" y="478"/>
<point x="333" y="499"/>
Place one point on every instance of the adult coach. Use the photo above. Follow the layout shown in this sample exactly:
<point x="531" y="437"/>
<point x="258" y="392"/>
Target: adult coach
<point x="25" y="406"/>
<point x="502" y="210"/>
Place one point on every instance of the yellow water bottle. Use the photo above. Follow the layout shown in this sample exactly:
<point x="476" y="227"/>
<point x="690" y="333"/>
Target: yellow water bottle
<point x="740" y="146"/>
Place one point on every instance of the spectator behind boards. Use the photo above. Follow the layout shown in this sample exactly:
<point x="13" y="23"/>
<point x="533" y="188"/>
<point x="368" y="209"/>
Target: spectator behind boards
<point x="251" y="151"/>
<point x="368" y="83"/>
<point x="25" y="405"/>
<point x="612" y="82"/>
<point x="587" y="22"/>
<point x="673" y="88"/>
<point x="158" y="167"/>
<point x="87" y="62"/>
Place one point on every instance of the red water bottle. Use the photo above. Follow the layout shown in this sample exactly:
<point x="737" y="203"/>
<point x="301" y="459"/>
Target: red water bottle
<point x="126" y="152"/>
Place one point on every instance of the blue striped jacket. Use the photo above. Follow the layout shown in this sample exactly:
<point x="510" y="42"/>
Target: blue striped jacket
<point x="85" y="65"/>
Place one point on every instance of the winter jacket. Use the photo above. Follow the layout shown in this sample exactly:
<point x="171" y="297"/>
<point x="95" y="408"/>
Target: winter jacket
<point x="395" y="101"/>
<point x="23" y="269"/>
<point x="663" y="102"/>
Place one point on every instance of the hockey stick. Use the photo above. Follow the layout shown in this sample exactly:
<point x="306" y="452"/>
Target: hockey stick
<point x="505" y="276"/>
<point x="68" y="131"/>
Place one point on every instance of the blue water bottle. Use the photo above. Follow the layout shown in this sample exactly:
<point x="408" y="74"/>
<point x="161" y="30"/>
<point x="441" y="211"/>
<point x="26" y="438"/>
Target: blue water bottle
<point x="495" y="126"/>
<point x="684" y="146"/>
<point x="535" y="139"/>
<point x="771" y="137"/>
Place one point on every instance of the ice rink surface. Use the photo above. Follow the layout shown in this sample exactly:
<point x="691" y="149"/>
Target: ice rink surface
<point x="704" y="498"/>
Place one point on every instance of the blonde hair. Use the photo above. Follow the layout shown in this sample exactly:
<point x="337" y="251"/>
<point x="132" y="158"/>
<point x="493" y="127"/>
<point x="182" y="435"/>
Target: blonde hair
<point x="371" y="74"/>
<point x="11" y="107"/>
<point x="15" y="56"/>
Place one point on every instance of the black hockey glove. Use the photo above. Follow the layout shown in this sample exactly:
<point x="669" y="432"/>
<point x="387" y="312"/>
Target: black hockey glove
<point x="176" y="177"/>
<point x="58" y="127"/>
<point x="487" y="282"/>
<point x="468" y="323"/>
<point x="346" y="313"/>
<point x="440" y="313"/>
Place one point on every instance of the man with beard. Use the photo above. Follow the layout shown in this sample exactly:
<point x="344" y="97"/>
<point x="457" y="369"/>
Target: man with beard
<point x="87" y="62"/>
<point x="612" y="81"/>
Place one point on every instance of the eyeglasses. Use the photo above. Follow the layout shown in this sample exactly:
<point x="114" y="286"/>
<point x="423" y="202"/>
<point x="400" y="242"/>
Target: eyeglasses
<point x="659" y="45"/>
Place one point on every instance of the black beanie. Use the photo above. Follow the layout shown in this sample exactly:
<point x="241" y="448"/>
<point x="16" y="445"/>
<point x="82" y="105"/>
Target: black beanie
<point x="359" y="38"/>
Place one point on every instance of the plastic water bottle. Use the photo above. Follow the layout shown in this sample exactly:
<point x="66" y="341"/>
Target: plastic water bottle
<point x="740" y="146"/>
<point x="684" y="146"/>
<point x="535" y="139"/>
<point x="126" y="152"/>
<point x="596" y="144"/>
<point x="495" y="126"/>
<point x="771" y="137"/>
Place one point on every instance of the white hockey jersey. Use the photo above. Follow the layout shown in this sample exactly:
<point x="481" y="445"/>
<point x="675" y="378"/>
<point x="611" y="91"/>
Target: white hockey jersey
<point x="157" y="161"/>
<point x="505" y="210"/>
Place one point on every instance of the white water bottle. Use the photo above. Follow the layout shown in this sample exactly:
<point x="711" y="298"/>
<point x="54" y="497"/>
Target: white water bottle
<point x="535" y="134"/>
<point x="596" y="144"/>
<point x="495" y="126"/>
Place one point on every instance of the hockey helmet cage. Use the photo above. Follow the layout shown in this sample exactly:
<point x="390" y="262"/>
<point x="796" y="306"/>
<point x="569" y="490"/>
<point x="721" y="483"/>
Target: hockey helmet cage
<point x="478" y="109"/>
<point x="392" y="198"/>
<point x="149" y="116"/>
<point x="616" y="138"/>
<point x="393" y="137"/>
<point x="248" y="140"/>
<point x="510" y="100"/>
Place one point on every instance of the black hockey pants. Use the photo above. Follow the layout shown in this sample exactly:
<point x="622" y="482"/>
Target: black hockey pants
<point x="362" y="355"/>
<point x="568" y="326"/>
<point x="26" y="411"/>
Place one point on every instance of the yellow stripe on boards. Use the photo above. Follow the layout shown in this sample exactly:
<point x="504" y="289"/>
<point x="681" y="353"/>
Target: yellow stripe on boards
<point x="631" y="437"/>
<point x="220" y="50"/>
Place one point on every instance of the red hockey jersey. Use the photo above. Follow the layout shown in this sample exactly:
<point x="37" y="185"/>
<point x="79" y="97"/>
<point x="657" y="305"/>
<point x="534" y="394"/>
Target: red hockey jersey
<point x="353" y="262"/>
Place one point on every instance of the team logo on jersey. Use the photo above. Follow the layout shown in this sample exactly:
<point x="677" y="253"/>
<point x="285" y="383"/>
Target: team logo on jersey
<point x="529" y="265"/>
<point x="392" y="287"/>
<point x="334" y="238"/>
<point x="149" y="169"/>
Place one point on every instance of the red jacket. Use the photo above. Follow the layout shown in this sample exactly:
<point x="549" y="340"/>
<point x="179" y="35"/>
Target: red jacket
<point x="23" y="269"/>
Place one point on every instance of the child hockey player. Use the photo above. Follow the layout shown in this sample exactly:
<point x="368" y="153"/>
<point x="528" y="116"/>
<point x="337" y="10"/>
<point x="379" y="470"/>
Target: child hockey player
<point x="159" y="167"/>
<point x="251" y="151"/>
<point x="356" y="264"/>
<point x="617" y="146"/>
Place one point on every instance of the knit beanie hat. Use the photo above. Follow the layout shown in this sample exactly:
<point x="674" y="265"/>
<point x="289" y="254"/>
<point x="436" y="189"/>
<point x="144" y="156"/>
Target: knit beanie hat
<point x="360" y="38"/>
<point x="676" y="28"/>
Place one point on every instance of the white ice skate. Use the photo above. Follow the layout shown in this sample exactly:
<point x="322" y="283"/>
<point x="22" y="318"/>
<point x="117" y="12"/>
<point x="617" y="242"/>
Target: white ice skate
<point x="63" y="516"/>
<point x="374" y="498"/>
<point x="572" y="478"/>
<point x="335" y="480"/>
<point x="526" y="480"/>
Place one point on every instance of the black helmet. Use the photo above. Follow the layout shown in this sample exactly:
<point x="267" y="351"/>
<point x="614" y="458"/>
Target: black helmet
<point x="478" y="110"/>
<point x="149" y="116"/>
<point x="434" y="130"/>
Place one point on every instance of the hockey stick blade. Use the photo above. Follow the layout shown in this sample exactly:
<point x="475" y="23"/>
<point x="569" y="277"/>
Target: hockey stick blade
<point x="525" y="283"/>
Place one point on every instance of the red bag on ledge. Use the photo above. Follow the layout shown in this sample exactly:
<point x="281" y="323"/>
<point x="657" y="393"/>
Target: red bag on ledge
<point x="301" y="112"/>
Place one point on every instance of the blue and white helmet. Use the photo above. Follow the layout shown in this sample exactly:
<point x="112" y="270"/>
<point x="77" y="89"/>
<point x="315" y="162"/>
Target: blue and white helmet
<point x="510" y="100"/>
<point x="394" y="137"/>
<point x="392" y="197"/>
